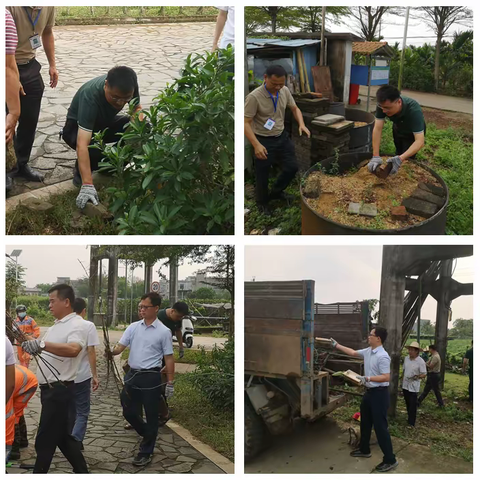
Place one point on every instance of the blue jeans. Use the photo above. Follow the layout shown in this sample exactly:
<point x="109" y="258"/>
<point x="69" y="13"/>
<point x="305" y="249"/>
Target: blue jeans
<point x="82" y="408"/>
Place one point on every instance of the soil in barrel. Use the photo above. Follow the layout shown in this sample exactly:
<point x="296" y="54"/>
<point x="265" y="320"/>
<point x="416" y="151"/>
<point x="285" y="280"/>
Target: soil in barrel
<point x="361" y="186"/>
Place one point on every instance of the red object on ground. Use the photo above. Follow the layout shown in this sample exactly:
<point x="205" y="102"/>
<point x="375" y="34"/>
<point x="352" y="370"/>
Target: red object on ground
<point x="354" y="90"/>
<point x="356" y="416"/>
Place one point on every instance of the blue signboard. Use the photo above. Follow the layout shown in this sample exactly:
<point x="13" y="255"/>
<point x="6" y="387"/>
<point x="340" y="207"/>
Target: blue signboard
<point x="359" y="75"/>
<point x="379" y="75"/>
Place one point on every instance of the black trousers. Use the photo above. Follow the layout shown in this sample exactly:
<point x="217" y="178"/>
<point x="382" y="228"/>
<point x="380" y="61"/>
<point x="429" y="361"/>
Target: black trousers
<point x="432" y="383"/>
<point x="142" y="388"/>
<point x="70" y="132"/>
<point x="280" y="151"/>
<point x="54" y="430"/>
<point x="470" y="386"/>
<point x="33" y="85"/>
<point x="373" y="413"/>
<point x="403" y="142"/>
<point x="411" y="403"/>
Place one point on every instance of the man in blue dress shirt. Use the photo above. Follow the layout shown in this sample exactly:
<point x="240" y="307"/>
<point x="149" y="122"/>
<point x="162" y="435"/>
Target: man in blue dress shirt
<point x="150" y="342"/>
<point x="375" y="402"/>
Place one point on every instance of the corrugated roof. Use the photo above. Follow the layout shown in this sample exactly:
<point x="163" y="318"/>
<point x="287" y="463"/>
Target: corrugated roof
<point x="256" y="43"/>
<point x="367" y="48"/>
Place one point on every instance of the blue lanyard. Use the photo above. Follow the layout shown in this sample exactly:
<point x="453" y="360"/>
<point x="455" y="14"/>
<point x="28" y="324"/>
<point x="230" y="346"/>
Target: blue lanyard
<point x="33" y="22"/>
<point x="273" y="100"/>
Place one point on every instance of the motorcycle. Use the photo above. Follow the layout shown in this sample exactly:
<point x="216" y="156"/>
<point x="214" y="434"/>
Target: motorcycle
<point x="187" y="331"/>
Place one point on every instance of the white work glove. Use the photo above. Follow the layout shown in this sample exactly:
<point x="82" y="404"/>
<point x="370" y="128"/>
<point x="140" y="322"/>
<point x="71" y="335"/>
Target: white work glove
<point x="396" y="164"/>
<point x="181" y="353"/>
<point x="87" y="193"/>
<point x="374" y="163"/>
<point x="334" y="343"/>
<point x="362" y="380"/>
<point x="32" y="346"/>
<point x="169" y="390"/>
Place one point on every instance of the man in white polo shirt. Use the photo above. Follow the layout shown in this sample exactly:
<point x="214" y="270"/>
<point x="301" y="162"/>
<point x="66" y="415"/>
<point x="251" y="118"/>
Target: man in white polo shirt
<point x="64" y="341"/>
<point x="87" y="379"/>
<point x="225" y="24"/>
<point x="150" y="341"/>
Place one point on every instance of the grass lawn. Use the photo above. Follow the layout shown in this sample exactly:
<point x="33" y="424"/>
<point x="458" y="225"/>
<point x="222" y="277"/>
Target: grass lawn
<point x="448" y="151"/>
<point x="447" y="431"/>
<point x="59" y="221"/>
<point x="80" y="12"/>
<point x="210" y="425"/>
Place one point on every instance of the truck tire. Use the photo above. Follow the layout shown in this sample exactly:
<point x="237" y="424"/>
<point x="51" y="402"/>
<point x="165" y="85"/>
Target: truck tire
<point x="256" y="436"/>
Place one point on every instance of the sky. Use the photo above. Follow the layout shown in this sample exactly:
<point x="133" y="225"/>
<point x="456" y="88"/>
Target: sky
<point x="45" y="263"/>
<point x="342" y="274"/>
<point x="392" y="28"/>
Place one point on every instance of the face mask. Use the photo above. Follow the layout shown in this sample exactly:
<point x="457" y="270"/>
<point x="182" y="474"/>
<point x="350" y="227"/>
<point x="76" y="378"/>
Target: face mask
<point x="22" y="314"/>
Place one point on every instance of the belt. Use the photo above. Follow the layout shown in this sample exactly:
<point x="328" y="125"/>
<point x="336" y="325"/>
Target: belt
<point x="376" y="388"/>
<point x="56" y="384"/>
<point x="136" y="370"/>
<point x="26" y="63"/>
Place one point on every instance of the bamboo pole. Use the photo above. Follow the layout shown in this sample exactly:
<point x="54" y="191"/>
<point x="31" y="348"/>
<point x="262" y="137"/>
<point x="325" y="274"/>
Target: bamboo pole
<point x="300" y="71"/>
<point x="307" y="82"/>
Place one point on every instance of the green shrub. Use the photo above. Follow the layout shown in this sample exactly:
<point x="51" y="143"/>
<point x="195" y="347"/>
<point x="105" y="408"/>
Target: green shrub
<point x="175" y="171"/>
<point x="214" y="375"/>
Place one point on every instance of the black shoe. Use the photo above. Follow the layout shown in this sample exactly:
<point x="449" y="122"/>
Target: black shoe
<point x="127" y="426"/>
<point x="141" y="460"/>
<point x="14" y="455"/>
<point x="358" y="453"/>
<point x="29" y="174"/>
<point x="285" y="197"/>
<point x="264" y="209"/>
<point x="77" y="179"/>
<point x="385" y="467"/>
<point x="81" y="446"/>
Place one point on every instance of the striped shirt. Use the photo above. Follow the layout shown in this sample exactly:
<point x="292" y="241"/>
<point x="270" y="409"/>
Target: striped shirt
<point x="11" y="38"/>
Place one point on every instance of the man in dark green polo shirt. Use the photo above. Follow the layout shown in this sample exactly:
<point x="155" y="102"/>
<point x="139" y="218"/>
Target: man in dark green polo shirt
<point x="468" y="360"/>
<point x="409" y="127"/>
<point x="96" y="107"/>
<point x="172" y="319"/>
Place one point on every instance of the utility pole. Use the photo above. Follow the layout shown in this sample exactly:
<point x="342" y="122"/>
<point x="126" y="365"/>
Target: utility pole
<point x="400" y="73"/>
<point x="92" y="282"/>
<point x="322" y="38"/>
<point x="173" y="287"/>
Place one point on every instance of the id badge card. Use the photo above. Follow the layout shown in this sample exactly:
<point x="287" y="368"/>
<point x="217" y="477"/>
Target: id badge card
<point x="269" y="124"/>
<point x="35" y="41"/>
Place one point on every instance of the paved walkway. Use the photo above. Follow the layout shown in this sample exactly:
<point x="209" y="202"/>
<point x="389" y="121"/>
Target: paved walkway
<point x="432" y="100"/>
<point x="109" y="448"/>
<point x="155" y="52"/>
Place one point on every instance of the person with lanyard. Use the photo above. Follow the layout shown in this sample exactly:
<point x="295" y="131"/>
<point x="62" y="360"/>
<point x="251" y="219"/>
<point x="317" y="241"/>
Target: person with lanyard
<point x="433" y="377"/>
<point x="468" y="360"/>
<point x="96" y="107"/>
<point x="409" y="128"/>
<point x="150" y="342"/>
<point x="29" y="328"/>
<point x="34" y="30"/>
<point x="264" y="117"/>
<point x="87" y="378"/>
<point x="414" y="369"/>
<point x="12" y="82"/>
<point x="64" y="342"/>
<point x="376" y="400"/>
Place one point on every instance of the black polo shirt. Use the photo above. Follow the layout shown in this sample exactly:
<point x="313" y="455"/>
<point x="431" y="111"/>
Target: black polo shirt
<point x="409" y="120"/>
<point x="91" y="109"/>
<point x="168" y="322"/>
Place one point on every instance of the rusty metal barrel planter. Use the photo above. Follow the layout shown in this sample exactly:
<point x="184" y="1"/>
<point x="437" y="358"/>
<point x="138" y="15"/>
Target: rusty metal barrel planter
<point x="314" y="223"/>
<point x="360" y="136"/>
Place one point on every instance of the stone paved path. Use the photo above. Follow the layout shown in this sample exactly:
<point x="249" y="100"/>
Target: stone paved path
<point x="155" y="52"/>
<point x="109" y="448"/>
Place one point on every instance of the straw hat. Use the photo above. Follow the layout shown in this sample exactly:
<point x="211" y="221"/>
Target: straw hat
<point x="414" y="345"/>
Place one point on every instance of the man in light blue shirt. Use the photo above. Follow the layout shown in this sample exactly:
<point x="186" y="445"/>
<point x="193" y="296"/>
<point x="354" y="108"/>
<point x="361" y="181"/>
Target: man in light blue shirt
<point x="150" y="342"/>
<point x="375" y="402"/>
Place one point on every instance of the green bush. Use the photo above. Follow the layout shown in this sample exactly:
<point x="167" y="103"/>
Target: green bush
<point x="174" y="171"/>
<point x="214" y="375"/>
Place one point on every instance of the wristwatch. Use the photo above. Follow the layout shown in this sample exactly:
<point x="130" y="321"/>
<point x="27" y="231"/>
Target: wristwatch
<point x="42" y="344"/>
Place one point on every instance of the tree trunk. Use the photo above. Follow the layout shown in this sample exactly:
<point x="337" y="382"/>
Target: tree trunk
<point x="92" y="11"/>
<point x="274" y="23"/>
<point x="200" y="10"/>
<point x="180" y="11"/>
<point x="162" y="11"/>
<point x="436" y="72"/>
<point x="124" y="10"/>
<point x="142" y="10"/>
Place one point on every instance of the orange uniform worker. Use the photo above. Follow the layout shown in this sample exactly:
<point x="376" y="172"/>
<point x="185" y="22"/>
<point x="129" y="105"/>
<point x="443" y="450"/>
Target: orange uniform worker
<point x="26" y="384"/>
<point x="29" y="327"/>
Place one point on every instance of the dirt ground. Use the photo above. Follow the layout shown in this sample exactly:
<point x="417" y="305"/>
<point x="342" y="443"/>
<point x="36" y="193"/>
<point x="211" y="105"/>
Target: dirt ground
<point x="443" y="119"/>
